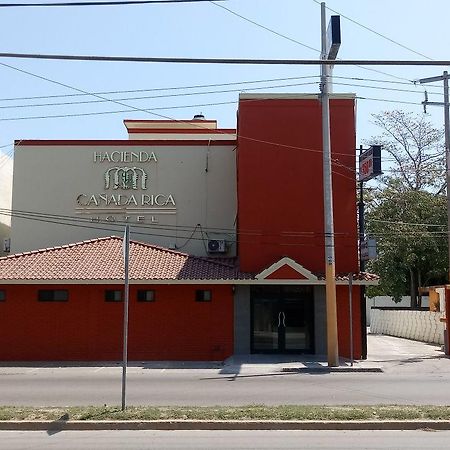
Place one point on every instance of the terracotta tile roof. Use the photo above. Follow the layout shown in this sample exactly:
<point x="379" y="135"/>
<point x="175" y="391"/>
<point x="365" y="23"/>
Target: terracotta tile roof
<point x="101" y="259"/>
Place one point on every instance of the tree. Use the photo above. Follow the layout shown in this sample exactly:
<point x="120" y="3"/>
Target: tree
<point x="416" y="150"/>
<point x="409" y="226"/>
<point x="407" y="213"/>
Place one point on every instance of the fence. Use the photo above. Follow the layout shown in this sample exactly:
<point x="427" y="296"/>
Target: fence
<point x="422" y="326"/>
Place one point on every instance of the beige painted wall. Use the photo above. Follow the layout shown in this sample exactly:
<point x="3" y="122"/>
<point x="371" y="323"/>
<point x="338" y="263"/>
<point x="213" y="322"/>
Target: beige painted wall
<point x="48" y="180"/>
<point x="6" y="169"/>
<point x="6" y="175"/>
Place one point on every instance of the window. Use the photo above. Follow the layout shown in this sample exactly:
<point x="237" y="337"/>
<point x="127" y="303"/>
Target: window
<point x="203" y="295"/>
<point x="2" y="295"/>
<point x="53" y="295"/>
<point x="145" y="295"/>
<point x="113" y="295"/>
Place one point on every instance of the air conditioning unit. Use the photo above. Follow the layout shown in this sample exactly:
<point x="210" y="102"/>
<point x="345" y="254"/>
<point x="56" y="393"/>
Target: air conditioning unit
<point x="7" y="245"/>
<point x="216" y="246"/>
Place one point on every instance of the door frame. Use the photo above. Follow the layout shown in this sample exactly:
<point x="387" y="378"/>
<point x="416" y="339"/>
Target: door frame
<point x="278" y="295"/>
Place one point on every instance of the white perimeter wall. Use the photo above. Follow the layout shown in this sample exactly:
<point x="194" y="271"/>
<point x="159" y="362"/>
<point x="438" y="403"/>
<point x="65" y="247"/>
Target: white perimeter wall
<point x="385" y="300"/>
<point x="421" y="326"/>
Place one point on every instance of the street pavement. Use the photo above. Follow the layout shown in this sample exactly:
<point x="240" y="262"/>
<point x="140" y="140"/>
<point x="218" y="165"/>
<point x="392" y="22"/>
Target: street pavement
<point x="412" y="373"/>
<point x="221" y="440"/>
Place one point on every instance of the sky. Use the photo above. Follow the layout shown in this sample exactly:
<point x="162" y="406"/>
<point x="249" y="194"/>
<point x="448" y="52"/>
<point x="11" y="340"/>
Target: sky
<point x="282" y="29"/>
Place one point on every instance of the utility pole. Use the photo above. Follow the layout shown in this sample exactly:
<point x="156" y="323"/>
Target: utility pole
<point x="444" y="77"/>
<point x="330" y="270"/>
<point x="362" y="268"/>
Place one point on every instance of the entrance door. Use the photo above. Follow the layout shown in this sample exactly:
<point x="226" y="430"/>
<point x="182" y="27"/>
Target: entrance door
<point x="282" y="319"/>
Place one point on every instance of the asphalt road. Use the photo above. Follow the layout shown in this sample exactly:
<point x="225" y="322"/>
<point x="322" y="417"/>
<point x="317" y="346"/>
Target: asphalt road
<point x="218" y="440"/>
<point x="414" y="373"/>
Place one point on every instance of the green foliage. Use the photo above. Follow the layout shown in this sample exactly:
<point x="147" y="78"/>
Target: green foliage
<point x="410" y="229"/>
<point x="408" y="212"/>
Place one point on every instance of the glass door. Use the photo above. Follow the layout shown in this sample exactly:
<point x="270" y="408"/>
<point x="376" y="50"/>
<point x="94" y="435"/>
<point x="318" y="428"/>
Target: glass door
<point x="282" y="319"/>
<point x="266" y="325"/>
<point x="296" y="330"/>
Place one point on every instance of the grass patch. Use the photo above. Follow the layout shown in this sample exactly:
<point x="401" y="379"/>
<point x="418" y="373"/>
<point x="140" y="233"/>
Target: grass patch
<point x="251" y="412"/>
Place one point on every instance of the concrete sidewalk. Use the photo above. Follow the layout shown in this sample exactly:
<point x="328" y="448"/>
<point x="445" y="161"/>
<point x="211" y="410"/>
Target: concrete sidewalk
<point x="385" y="353"/>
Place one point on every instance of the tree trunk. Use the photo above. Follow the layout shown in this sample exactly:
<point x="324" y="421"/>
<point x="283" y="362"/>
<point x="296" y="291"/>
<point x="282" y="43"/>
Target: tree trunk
<point x="419" y="285"/>
<point x="413" y="290"/>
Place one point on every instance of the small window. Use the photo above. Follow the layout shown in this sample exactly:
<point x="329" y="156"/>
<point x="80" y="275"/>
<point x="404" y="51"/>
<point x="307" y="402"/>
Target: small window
<point x="113" y="296"/>
<point x="203" y="295"/>
<point x="145" y="295"/>
<point x="53" y="295"/>
<point x="2" y="295"/>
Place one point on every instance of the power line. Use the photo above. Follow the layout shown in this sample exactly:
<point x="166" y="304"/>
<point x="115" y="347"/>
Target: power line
<point x="341" y="237"/>
<point x="147" y="97"/>
<point x="276" y="33"/>
<point x="376" y="32"/>
<point x="407" y="223"/>
<point x="130" y="109"/>
<point x="270" y="30"/>
<point x="162" y="108"/>
<point x="200" y="86"/>
<point x="100" y="3"/>
<point x="154" y="230"/>
<point x="83" y="102"/>
<point x="405" y="83"/>
<point x="135" y="108"/>
<point x="237" y="61"/>
<point x="170" y="88"/>
<point x="382" y="88"/>
<point x="386" y="100"/>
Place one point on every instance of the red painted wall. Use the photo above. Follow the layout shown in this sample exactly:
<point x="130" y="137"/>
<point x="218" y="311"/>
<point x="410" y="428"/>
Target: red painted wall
<point x="280" y="195"/>
<point x="174" y="327"/>
<point x="343" y="318"/>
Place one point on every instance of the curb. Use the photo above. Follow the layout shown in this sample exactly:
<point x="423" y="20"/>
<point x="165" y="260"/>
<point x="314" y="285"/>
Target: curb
<point x="332" y="369"/>
<point x="85" y="425"/>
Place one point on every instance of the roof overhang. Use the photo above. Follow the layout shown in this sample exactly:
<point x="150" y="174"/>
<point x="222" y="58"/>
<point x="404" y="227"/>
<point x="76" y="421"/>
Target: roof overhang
<point x="254" y="282"/>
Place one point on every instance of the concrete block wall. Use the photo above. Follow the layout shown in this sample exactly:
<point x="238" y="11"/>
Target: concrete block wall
<point x="422" y="326"/>
<point x="385" y="300"/>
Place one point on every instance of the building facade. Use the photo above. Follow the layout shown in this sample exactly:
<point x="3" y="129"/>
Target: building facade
<point x="227" y="253"/>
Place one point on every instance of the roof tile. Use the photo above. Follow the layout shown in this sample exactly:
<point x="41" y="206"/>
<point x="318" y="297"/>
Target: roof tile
<point x="101" y="259"/>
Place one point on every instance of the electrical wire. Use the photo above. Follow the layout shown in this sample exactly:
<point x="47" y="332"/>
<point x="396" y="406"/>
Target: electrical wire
<point x="112" y="226"/>
<point x="183" y="94"/>
<point x="139" y="109"/>
<point x="297" y="42"/>
<point x="375" y="32"/>
<point x="232" y="61"/>
<point x="162" y="108"/>
<point x="276" y="33"/>
<point x="408" y="223"/>
<point x="169" y="88"/>
<point x="201" y="86"/>
<point x="99" y="3"/>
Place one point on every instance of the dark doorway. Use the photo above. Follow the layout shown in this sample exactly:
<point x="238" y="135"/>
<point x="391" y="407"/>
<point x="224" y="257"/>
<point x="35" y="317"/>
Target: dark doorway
<point x="282" y="319"/>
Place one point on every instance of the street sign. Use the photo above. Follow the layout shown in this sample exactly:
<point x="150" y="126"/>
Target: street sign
<point x="370" y="163"/>
<point x="368" y="249"/>
<point x="333" y="37"/>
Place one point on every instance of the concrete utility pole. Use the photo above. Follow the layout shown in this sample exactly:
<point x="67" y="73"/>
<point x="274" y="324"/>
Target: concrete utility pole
<point x="330" y="270"/>
<point x="444" y="77"/>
